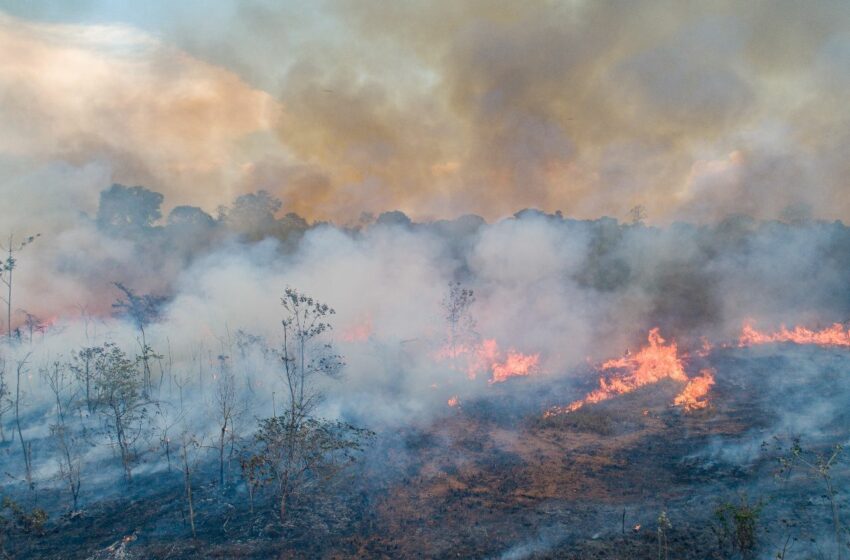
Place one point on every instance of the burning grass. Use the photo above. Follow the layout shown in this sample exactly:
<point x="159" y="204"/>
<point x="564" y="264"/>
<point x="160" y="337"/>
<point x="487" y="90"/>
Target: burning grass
<point x="657" y="361"/>
<point x="835" y="335"/>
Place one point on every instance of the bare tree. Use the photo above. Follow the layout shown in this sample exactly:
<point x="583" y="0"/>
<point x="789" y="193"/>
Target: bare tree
<point x="225" y="403"/>
<point x="120" y="399"/>
<point x="189" y="452"/>
<point x="33" y="324"/>
<point x="6" y="402"/>
<point x="6" y="270"/>
<point x="304" y="353"/>
<point x="167" y="420"/>
<point x="61" y="385"/>
<point x="255" y="472"/>
<point x="457" y="306"/>
<point x="26" y="446"/>
<point x="83" y="366"/>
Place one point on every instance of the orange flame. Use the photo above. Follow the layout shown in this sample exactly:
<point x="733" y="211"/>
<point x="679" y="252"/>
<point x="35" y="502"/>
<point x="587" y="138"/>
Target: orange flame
<point x="487" y="356"/>
<point x="358" y="332"/>
<point x="515" y="364"/>
<point x="654" y="362"/>
<point x="454" y="401"/>
<point x="835" y="335"/>
<point x="693" y="396"/>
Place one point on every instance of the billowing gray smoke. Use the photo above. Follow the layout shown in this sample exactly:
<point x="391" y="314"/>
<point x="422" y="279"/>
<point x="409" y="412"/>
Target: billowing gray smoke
<point x="207" y="293"/>
<point x="563" y="289"/>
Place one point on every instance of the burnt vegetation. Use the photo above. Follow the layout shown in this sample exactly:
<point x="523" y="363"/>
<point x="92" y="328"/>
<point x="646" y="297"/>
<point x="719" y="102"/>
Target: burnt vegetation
<point x="236" y="452"/>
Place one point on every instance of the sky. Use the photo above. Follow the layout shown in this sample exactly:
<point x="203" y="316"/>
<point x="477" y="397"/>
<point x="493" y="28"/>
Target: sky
<point x="694" y="110"/>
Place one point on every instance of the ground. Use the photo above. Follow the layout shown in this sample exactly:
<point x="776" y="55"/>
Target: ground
<point x="493" y="478"/>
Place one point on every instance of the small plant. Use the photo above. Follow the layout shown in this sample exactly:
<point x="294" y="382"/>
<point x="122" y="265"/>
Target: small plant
<point x="737" y="525"/>
<point x="31" y="523"/>
<point x="818" y="466"/>
<point x="664" y="527"/>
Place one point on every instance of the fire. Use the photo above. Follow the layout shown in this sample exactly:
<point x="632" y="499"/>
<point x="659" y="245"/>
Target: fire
<point x="359" y="332"/>
<point x="487" y="356"/>
<point x="471" y="358"/>
<point x="650" y="364"/>
<point x="515" y="364"/>
<point x="693" y="396"/>
<point x="835" y="335"/>
<point x="454" y="401"/>
<point x="654" y="362"/>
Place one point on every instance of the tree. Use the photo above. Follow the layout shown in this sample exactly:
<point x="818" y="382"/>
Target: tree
<point x="393" y="218"/>
<point x="190" y="217"/>
<point x="33" y="324"/>
<point x="189" y="446"/>
<point x="252" y="215"/>
<point x="26" y="446"/>
<point x="457" y="306"/>
<point x="296" y="457"/>
<point x="225" y="402"/>
<point x="166" y="421"/>
<point x="141" y="310"/>
<point x="6" y="270"/>
<point x="83" y="367"/>
<point x="295" y="451"/>
<point x="60" y="384"/>
<point x="663" y="532"/>
<point x="6" y="402"/>
<point x="637" y="215"/>
<point x="120" y="400"/>
<point x="189" y="229"/>
<point x="304" y="353"/>
<point x="128" y="209"/>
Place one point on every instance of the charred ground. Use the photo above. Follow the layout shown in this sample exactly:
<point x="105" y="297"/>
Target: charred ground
<point x="481" y="482"/>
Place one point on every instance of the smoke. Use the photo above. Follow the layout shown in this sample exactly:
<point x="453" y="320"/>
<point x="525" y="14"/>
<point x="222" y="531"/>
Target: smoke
<point x="726" y="123"/>
<point x="567" y="291"/>
<point x="693" y="110"/>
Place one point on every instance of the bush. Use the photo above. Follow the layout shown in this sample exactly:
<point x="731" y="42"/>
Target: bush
<point x="736" y="526"/>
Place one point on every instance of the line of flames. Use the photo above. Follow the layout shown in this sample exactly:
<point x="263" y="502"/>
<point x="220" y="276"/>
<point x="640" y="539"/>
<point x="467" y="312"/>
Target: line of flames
<point x="834" y="335"/>
<point x="656" y="361"/>
<point x="487" y="356"/>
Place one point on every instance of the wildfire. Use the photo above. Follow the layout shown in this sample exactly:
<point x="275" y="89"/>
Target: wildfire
<point x="359" y="332"/>
<point x="654" y="362"/>
<point x="486" y="356"/>
<point x="693" y="396"/>
<point x="454" y="401"/>
<point x="515" y="364"/>
<point x="835" y="335"/>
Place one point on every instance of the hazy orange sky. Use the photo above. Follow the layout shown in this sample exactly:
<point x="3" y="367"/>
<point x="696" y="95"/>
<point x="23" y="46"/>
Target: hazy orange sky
<point x="691" y="109"/>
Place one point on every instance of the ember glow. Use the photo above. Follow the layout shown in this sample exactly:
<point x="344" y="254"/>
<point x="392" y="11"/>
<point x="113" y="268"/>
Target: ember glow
<point x="835" y="335"/>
